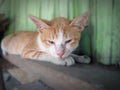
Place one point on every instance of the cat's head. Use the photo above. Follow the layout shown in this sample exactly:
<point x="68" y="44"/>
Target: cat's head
<point x="60" y="36"/>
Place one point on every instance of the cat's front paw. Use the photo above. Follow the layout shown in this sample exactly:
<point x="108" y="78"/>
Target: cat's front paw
<point x="65" y="62"/>
<point x="69" y="61"/>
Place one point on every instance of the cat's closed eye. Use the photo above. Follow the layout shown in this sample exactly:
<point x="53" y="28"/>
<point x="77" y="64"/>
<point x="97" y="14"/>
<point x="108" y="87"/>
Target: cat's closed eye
<point x="68" y="41"/>
<point x="51" y="42"/>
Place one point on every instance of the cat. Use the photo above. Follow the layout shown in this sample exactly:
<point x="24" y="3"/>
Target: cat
<point x="53" y="41"/>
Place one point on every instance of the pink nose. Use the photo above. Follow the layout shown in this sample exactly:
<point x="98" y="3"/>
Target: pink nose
<point x="60" y="54"/>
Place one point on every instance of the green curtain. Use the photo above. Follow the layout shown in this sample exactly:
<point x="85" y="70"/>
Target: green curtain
<point x="100" y="40"/>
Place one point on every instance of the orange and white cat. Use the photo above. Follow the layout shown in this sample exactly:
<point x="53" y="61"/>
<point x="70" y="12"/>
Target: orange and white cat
<point x="54" y="41"/>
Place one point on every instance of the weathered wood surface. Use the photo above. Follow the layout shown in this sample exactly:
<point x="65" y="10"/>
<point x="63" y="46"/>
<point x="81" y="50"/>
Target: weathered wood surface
<point x="1" y="81"/>
<point x="2" y="87"/>
<point x="58" y="80"/>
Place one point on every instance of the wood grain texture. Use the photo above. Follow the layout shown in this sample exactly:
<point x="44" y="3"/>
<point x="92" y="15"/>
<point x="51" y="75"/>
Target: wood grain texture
<point x="2" y="86"/>
<point x="53" y="78"/>
<point x="1" y="81"/>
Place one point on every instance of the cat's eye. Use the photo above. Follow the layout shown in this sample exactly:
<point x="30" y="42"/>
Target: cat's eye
<point x="51" y="42"/>
<point x="68" y="41"/>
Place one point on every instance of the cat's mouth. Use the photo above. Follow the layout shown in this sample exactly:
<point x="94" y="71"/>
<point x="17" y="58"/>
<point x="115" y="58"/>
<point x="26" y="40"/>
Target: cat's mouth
<point x="62" y="56"/>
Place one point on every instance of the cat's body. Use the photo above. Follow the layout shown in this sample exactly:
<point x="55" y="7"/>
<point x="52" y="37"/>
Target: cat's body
<point x="53" y="42"/>
<point x="13" y="43"/>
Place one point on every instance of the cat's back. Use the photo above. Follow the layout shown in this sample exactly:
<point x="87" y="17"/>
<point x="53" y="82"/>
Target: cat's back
<point x="20" y="36"/>
<point x="17" y="41"/>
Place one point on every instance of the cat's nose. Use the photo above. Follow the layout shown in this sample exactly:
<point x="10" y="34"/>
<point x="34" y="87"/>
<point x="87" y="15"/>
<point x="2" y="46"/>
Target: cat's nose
<point x="60" y="54"/>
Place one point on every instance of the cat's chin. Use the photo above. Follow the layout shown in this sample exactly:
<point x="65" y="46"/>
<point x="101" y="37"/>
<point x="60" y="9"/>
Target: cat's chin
<point x="58" y="57"/>
<point x="63" y="57"/>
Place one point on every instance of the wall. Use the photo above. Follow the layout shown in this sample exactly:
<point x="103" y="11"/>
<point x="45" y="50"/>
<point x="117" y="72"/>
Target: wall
<point x="104" y="23"/>
<point x="100" y="39"/>
<point x="4" y="7"/>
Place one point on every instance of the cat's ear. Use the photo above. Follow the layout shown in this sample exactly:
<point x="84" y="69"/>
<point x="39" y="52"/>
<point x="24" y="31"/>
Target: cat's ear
<point x="80" y="21"/>
<point x="40" y="25"/>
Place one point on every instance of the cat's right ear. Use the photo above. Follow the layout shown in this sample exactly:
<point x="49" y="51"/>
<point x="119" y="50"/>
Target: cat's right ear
<point x="80" y="21"/>
<point x="40" y="25"/>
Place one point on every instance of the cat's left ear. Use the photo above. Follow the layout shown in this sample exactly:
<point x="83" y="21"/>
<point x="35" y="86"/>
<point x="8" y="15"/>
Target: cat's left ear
<point x="40" y="25"/>
<point x="80" y="21"/>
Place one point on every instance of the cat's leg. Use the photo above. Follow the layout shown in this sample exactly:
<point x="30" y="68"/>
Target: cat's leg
<point x="69" y="61"/>
<point x="81" y="59"/>
<point x="42" y="56"/>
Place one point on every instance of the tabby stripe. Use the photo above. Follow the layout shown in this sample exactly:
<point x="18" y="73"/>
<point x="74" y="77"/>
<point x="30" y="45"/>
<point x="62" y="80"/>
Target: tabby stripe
<point x="38" y="54"/>
<point x="27" y="53"/>
<point x="35" y="54"/>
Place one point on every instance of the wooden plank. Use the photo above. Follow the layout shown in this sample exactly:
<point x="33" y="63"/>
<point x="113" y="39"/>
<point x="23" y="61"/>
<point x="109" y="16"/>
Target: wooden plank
<point x="2" y="86"/>
<point x="53" y="78"/>
<point x="20" y="75"/>
<point x="1" y="81"/>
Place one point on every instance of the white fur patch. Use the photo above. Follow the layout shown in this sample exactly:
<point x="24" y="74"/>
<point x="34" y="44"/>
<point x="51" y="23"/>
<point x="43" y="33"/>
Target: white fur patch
<point x="3" y="48"/>
<point x="40" y="44"/>
<point x="60" y="43"/>
<point x="60" y="39"/>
